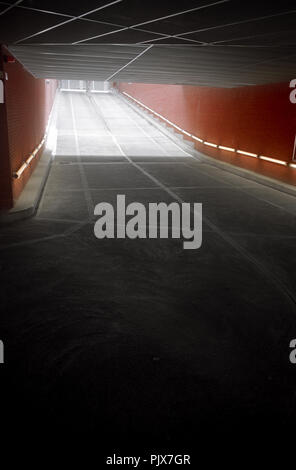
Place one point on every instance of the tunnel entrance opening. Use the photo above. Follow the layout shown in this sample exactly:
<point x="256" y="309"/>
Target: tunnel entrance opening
<point x="93" y="122"/>
<point x="93" y="86"/>
<point x="100" y="145"/>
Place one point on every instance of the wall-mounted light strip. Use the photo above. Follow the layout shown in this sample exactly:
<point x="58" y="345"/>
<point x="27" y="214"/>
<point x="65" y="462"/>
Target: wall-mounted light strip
<point x="32" y="155"/>
<point x="229" y="149"/>
<point x="178" y="128"/>
<point x="210" y="144"/>
<point x="30" y="159"/>
<point x="161" y="117"/>
<point x="197" y="138"/>
<point x="18" y="173"/>
<point x="249" y="154"/>
<point x="273" y="160"/>
<point x="26" y="164"/>
<point x="294" y="150"/>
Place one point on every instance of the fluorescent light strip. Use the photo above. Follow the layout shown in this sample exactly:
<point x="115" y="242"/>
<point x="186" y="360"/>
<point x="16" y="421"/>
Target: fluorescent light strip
<point x="249" y="154"/>
<point x="273" y="160"/>
<point x="229" y="149"/>
<point x="30" y="159"/>
<point x="25" y="165"/>
<point x="197" y="138"/>
<point x="161" y="117"/>
<point x="210" y="144"/>
<point x="18" y="173"/>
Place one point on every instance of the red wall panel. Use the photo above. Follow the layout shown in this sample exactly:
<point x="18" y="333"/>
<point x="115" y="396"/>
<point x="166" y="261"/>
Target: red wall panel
<point x="257" y="119"/>
<point x="28" y="104"/>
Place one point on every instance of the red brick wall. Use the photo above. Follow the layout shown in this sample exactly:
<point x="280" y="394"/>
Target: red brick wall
<point x="257" y="119"/>
<point x="28" y="103"/>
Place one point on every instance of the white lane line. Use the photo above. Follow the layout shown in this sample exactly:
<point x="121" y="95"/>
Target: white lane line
<point x="53" y="134"/>
<point x="140" y="128"/>
<point x="144" y="188"/>
<point x="74" y="128"/>
<point x="127" y="114"/>
<point x="151" y="138"/>
<point x="99" y="112"/>
<point x="281" y="286"/>
<point x="117" y="144"/>
<point x="92" y="163"/>
<point x="62" y="220"/>
<point x="87" y="194"/>
<point x="119" y="163"/>
<point x="285" y="290"/>
<point x="122" y="188"/>
<point x="135" y="165"/>
<point x="245" y="190"/>
<point x="67" y="232"/>
<point x="146" y="134"/>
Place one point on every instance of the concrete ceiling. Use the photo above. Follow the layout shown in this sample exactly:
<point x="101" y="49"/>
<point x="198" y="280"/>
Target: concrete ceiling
<point x="200" y="42"/>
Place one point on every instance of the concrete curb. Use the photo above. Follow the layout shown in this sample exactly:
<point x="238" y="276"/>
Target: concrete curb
<point x="28" y="202"/>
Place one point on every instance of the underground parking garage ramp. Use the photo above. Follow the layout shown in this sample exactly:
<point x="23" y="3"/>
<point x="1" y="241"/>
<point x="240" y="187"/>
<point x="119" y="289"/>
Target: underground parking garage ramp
<point x="139" y="342"/>
<point x="128" y="346"/>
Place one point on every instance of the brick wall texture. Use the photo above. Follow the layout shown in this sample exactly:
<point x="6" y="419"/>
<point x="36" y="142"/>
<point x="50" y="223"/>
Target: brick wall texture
<point x="28" y="104"/>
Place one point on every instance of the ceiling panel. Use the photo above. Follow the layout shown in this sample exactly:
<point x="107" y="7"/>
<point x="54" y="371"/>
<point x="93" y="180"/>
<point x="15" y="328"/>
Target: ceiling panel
<point x="129" y="36"/>
<point x="17" y="24"/>
<point x="132" y="12"/>
<point x="72" y="32"/>
<point x="221" y="13"/>
<point x="264" y="27"/>
<point x="68" y="7"/>
<point x="199" y="42"/>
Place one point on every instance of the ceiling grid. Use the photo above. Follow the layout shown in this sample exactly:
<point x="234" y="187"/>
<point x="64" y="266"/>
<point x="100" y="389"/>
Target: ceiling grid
<point x="224" y="43"/>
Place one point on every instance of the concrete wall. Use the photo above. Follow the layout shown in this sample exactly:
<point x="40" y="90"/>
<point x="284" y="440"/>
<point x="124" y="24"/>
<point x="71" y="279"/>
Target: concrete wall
<point x="24" y="116"/>
<point x="257" y="119"/>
